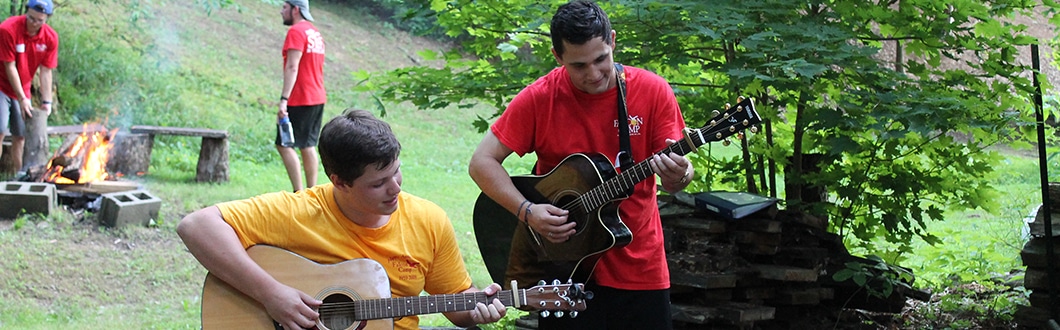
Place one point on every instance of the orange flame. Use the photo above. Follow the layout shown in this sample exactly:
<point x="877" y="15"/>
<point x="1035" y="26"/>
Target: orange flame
<point x="92" y="148"/>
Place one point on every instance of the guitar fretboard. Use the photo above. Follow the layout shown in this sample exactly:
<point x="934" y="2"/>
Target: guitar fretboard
<point x="722" y="126"/>
<point x="373" y="309"/>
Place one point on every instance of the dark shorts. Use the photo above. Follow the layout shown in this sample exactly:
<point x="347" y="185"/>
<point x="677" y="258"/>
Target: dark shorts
<point x="11" y="122"/>
<point x="613" y="309"/>
<point x="305" y="121"/>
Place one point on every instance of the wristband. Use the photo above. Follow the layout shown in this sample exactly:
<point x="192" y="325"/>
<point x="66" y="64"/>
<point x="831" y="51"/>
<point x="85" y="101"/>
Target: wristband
<point x="45" y="102"/>
<point x="519" y="210"/>
<point x="283" y="98"/>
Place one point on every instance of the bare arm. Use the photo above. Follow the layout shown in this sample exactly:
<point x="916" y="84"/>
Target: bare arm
<point x="482" y="313"/>
<point x="290" y="74"/>
<point x="487" y="171"/>
<point x="16" y="85"/>
<point x="46" y="89"/>
<point x="215" y="244"/>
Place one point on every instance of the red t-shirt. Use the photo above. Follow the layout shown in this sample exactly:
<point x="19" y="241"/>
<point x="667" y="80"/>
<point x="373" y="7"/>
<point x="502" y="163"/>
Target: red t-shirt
<point x="554" y="119"/>
<point x="309" y="86"/>
<point x="28" y="52"/>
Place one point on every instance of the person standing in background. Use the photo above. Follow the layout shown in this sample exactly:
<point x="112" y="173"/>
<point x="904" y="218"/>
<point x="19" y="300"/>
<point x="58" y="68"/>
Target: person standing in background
<point x="303" y="95"/>
<point x="27" y="44"/>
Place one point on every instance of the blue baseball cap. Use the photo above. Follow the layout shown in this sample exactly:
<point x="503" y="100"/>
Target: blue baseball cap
<point x="44" y="6"/>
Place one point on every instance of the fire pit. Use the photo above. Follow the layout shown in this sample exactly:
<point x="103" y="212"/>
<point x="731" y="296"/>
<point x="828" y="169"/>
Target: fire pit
<point x="78" y="169"/>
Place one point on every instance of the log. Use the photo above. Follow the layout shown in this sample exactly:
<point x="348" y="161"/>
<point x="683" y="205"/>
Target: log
<point x="213" y="160"/>
<point x="101" y="187"/>
<point x="738" y="313"/>
<point x="7" y="167"/>
<point x="36" y="149"/>
<point x="1034" y="253"/>
<point x="1037" y="225"/>
<point x="130" y="154"/>
<point x="1037" y="279"/>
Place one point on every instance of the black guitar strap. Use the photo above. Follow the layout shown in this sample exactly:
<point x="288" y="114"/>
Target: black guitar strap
<point x="625" y="158"/>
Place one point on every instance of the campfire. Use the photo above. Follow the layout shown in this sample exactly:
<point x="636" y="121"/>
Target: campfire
<point x="81" y="159"/>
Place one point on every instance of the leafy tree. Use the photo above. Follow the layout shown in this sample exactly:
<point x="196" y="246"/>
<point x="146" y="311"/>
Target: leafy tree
<point x="885" y="107"/>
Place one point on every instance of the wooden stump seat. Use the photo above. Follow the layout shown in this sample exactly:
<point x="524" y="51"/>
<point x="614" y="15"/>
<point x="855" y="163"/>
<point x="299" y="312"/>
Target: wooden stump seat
<point x="213" y="153"/>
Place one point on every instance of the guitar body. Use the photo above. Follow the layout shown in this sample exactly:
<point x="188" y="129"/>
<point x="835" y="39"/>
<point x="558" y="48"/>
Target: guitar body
<point x="527" y="257"/>
<point x="224" y="307"/>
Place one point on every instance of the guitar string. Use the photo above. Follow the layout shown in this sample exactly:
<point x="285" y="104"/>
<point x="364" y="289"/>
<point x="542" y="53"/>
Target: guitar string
<point x="594" y="198"/>
<point x="378" y="308"/>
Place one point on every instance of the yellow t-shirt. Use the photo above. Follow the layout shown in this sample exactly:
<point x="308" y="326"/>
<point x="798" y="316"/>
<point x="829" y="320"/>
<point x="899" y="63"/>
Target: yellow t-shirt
<point x="417" y="247"/>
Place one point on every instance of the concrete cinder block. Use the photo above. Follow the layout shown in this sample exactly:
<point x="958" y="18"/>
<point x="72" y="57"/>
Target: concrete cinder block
<point x="29" y="197"/>
<point x="128" y="207"/>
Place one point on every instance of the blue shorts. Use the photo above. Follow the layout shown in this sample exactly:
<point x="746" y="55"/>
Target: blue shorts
<point x="11" y="121"/>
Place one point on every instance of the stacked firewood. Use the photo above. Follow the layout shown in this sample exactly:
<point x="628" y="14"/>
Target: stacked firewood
<point x="1043" y="265"/>
<point x="769" y="270"/>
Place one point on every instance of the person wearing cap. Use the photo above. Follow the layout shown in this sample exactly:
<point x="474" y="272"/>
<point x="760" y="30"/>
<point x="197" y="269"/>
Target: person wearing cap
<point x="27" y="44"/>
<point x="303" y="95"/>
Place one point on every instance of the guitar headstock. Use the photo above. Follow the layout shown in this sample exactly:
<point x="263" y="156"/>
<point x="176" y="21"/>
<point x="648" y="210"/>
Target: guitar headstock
<point x="556" y="298"/>
<point x="724" y="124"/>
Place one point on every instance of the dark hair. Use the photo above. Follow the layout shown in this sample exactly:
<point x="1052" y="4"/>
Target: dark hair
<point x="354" y="140"/>
<point x="578" y="22"/>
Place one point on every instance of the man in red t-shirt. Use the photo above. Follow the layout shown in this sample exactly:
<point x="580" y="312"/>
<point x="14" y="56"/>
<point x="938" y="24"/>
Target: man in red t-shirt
<point x="574" y="109"/>
<point x="26" y="45"/>
<point x="303" y="96"/>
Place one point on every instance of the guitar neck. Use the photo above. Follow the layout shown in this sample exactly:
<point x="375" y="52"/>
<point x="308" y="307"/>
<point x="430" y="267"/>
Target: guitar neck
<point x="373" y="309"/>
<point x="618" y="185"/>
<point x="730" y="122"/>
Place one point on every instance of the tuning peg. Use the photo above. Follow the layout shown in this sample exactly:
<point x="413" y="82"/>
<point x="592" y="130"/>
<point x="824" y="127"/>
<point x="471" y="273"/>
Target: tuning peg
<point x="726" y="142"/>
<point x="540" y="282"/>
<point x="545" y="313"/>
<point x="718" y="135"/>
<point x="739" y="99"/>
<point x="715" y="113"/>
<point x="739" y="136"/>
<point x="559" y="313"/>
<point x="728" y="105"/>
<point x="754" y="129"/>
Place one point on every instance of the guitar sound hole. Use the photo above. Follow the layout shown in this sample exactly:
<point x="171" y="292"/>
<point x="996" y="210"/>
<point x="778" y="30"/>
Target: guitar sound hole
<point x="337" y="312"/>
<point x="576" y="215"/>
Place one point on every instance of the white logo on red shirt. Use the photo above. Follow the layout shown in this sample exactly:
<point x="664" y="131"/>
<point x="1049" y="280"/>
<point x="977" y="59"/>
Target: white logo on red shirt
<point x="315" y="40"/>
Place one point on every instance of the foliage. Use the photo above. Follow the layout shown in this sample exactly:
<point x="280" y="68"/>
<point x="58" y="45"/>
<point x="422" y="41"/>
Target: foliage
<point x="898" y="101"/>
<point x="879" y="279"/>
<point x="990" y="305"/>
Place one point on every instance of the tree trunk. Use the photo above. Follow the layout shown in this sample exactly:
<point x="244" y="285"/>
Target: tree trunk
<point x="36" y="150"/>
<point x="213" y="160"/>
<point x="130" y="154"/>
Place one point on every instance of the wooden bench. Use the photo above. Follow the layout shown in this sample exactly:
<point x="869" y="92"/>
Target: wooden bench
<point x="213" y="153"/>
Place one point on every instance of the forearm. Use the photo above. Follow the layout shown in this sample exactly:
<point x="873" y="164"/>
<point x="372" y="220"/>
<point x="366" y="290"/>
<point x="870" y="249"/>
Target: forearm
<point x="290" y="74"/>
<point x="46" y="84"/>
<point x="495" y="182"/>
<point x="215" y="245"/>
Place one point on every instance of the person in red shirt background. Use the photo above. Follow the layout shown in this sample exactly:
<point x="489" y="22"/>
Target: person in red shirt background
<point x="303" y="95"/>
<point x="27" y="44"/>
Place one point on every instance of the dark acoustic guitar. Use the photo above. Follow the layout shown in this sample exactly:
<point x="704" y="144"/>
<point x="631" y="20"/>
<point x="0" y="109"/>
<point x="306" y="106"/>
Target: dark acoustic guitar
<point x="356" y="295"/>
<point x="590" y="188"/>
